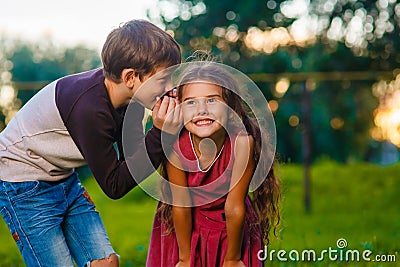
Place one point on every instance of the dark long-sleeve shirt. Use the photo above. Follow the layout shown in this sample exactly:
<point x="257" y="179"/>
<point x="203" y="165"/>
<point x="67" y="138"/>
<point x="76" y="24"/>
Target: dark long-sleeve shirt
<point x="70" y="123"/>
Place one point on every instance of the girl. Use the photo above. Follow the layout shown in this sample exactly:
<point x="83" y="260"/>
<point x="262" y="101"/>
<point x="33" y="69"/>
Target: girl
<point x="213" y="221"/>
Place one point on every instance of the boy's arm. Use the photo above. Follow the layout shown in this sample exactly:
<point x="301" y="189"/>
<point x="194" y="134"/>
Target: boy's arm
<point x="167" y="121"/>
<point x="235" y="208"/>
<point x="92" y="127"/>
<point x="181" y="210"/>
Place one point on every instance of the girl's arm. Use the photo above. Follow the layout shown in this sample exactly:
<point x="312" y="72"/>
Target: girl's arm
<point x="181" y="210"/>
<point x="235" y="208"/>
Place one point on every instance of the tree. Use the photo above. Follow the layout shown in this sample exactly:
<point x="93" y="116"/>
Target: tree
<point x="295" y="36"/>
<point x="23" y="63"/>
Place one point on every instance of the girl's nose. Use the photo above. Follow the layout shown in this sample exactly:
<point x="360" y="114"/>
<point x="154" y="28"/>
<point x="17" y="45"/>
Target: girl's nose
<point x="202" y="108"/>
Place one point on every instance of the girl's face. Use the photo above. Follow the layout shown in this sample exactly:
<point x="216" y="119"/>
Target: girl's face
<point x="205" y="112"/>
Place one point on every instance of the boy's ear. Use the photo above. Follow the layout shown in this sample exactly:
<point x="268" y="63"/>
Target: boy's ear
<point x="129" y="77"/>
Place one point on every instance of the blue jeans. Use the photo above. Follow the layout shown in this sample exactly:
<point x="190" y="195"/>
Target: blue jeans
<point x="54" y="222"/>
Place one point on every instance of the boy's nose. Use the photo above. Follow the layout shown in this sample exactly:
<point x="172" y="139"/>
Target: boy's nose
<point x="168" y="86"/>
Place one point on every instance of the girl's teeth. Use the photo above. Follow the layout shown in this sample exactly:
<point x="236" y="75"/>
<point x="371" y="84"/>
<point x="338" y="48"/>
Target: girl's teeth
<point x="203" y="122"/>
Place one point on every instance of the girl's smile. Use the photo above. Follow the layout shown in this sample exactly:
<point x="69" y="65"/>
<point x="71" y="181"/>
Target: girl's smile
<point x="203" y="122"/>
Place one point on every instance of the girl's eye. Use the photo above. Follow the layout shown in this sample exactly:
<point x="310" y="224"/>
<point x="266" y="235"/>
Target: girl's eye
<point x="211" y="100"/>
<point x="190" y="102"/>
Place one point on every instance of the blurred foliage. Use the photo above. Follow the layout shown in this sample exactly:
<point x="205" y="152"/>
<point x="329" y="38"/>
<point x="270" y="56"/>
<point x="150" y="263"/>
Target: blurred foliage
<point x="44" y="61"/>
<point x="343" y="35"/>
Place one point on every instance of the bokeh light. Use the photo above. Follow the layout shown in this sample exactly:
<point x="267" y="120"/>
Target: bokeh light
<point x="387" y="114"/>
<point x="337" y="123"/>
<point x="273" y="105"/>
<point x="281" y="87"/>
<point x="9" y="103"/>
<point x="294" y="120"/>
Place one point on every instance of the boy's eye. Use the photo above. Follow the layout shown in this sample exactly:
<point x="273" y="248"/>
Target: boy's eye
<point x="164" y="81"/>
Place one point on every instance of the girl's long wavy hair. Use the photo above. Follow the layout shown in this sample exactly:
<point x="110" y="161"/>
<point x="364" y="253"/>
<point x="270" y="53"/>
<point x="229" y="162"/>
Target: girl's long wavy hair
<point x="265" y="199"/>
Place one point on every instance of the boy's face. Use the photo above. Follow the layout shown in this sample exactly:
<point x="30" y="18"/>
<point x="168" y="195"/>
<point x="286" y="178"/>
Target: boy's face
<point x="154" y="86"/>
<point x="205" y="112"/>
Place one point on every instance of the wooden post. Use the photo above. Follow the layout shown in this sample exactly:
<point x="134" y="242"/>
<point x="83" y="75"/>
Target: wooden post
<point x="306" y="144"/>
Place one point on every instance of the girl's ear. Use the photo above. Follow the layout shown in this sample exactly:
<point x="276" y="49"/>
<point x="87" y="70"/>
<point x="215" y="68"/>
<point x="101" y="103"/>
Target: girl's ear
<point x="231" y="114"/>
<point x="129" y="77"/>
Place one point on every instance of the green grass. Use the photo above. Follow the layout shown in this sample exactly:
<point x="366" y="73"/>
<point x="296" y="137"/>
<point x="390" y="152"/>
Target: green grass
<point x="358" y="202"/>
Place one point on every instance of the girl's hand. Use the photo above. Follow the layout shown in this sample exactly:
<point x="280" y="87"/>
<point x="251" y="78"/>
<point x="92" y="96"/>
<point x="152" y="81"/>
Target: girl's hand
<point x="233" y="263"/>
<point x="183" y="264"/>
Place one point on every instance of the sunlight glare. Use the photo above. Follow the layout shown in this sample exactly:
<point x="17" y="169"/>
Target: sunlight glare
<point x="387" y="115"/>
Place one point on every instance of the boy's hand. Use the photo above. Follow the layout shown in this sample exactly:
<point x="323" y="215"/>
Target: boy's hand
<point x="167" y="115"/>
<point x="233" y="263"/>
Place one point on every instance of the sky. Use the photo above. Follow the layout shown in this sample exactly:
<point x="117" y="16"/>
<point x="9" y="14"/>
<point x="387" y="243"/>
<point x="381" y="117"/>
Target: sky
<point x="68" y="22"/>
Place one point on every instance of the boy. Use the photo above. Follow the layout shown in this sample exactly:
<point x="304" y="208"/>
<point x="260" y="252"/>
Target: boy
<point x="74" y="121"/>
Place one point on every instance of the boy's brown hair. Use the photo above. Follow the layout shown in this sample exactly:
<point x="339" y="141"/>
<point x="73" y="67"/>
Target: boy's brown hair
<point x="140" y="45"/>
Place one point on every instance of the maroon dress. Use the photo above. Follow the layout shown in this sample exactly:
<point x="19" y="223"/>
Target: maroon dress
<point x="209" y="236"/>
